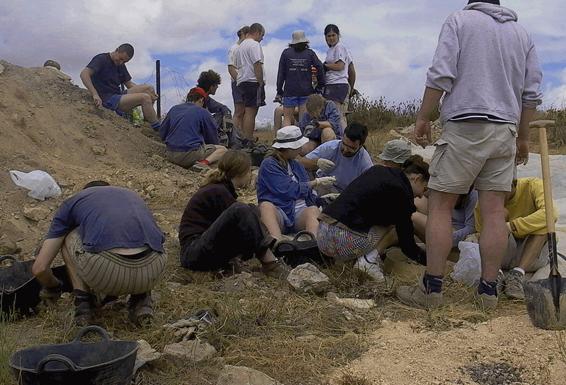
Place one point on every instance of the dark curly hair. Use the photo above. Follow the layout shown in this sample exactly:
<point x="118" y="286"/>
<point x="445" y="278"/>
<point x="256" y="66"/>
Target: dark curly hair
<point x="416" y="165"/>
<point x="208" y="79"/>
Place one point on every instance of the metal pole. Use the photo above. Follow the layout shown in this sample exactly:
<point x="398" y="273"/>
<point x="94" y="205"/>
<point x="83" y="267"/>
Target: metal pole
<point x="158" y="86"/>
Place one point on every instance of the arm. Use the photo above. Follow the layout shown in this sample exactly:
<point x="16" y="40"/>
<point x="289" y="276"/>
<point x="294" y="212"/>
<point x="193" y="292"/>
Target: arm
<point x="41" y="268"/>
<point x="338" y="66"/>
<point x="320" y="78"/>
<point x="233" y="72"/>
<point x="351" y="77"/>
<point x="281" y="73"/>
<point x="86" y="78"/>
<point x="534" y="223"/>
<point x="469" y="225"/>
<point x="129" y="84"/>
<point x="215" y="107"/>
<point x="309" y="164"/>
<point x="431" y="98"/>
<point x="258" y="71"/>
<point x="333" y="118"/>
<point x="279" y="183"/>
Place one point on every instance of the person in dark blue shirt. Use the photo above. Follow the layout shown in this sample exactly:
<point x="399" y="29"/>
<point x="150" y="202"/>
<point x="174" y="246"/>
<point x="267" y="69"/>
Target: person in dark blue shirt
<point x="103" y="78"/>
<point x="190" y="134"/>
<point x="111" y="245"/>
<point x="321" y="123"/>
<point x="295" y="76"/>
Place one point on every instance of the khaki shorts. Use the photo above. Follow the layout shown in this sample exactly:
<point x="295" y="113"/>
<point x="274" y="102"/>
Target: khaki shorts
<point x="479" y="153"/>
<point x="114" y="274"/>
<point x="515" y="248"/>
<point x="188" y="158"/>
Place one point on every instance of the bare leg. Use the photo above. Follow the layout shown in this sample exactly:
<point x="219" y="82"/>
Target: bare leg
<point x="493" y="237"/>
<point x="129" y="101"/>
<point x="343" y="120"/>
<point x="419" y="223"/>
<point x="249" y="122"/>
<point x="531" y="251"/>
<point x="308" y="220"/>
<point x="327" y="134"/>
<point x="238" y="115"/>
<point x="217" y="154"/>
<point x="389" y="239"/>
<point x="277" y="117"/>
<point x="269" y="216"/>
<point x="422" y="205"/>
<point x="302" y="111"/>
<point x="143" y="89"/>
<point x="308" y="147"/>
<point x="288" y="116"/>
<point x="439" y="230"/>
<point x="76" y="281"/>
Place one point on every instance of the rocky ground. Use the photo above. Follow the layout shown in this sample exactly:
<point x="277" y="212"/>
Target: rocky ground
<point x="348" y="331"/>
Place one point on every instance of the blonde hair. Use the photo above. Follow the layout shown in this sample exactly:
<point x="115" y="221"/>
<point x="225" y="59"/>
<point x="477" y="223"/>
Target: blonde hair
<point x="314" y="103"/>
<point x="232" y="164"/>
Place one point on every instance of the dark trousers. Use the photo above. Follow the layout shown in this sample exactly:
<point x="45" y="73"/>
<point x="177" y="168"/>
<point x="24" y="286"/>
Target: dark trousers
<point x="238" y="231"/>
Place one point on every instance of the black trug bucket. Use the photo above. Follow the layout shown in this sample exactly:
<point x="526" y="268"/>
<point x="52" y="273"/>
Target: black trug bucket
<point x="105" y="362"/>
<point x="538" y="297"/>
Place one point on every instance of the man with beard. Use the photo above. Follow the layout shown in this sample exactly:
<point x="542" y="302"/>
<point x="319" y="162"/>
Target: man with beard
<point x="345" y="159"/>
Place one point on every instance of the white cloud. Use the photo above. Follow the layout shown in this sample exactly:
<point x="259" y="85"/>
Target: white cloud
<point x="392" y="41"/>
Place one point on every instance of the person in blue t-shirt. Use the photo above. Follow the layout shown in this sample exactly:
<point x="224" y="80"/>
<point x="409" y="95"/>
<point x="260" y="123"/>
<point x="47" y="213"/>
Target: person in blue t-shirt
<point x="295" y="79"/>
<point x="321" y="123"/>
<point x="190" y="134"/>
<point x="111" y="245"/>
<point x="103" y="78"/>
<point x="345" y="159"/>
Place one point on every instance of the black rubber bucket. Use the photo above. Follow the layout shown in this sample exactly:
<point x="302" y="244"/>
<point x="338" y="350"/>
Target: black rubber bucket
<point x="538" y="297"/>
<point x="105" y="362"/>
<point x="19" y="290"/>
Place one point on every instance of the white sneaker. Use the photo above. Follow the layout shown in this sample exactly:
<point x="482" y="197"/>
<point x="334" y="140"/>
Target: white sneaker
<point x="373" y="269"/>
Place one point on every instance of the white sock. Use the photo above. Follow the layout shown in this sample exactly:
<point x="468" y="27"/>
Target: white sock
<point x="372" y="256"/>
<point x="519" y="270"/>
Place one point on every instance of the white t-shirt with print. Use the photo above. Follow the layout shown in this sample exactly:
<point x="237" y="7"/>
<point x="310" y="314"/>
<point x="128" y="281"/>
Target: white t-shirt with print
<point x="248" y="53"/>
<point x="334" y="55"/>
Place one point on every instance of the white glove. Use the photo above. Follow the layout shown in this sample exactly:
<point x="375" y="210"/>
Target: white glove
<point x="325" y="165"/>
<point x="331" y="197"/>
<point x="325" y="181"/>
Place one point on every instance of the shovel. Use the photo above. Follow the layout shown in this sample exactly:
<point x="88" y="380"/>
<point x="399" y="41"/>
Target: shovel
<point x="546" y="298"/>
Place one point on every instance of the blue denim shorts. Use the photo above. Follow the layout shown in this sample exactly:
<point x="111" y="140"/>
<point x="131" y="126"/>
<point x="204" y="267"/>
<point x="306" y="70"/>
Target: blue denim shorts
<point x="294" y="101"/>
<point x="112" y="102"/>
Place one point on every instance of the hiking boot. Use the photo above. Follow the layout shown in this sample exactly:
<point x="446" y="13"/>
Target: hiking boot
<point x="486" y="302"/>
<point x="275" y="269"/>
<point x="84" y="308"/>
<point x="500" y="286"/>
<point x="416" y="296"/>
<point x="373" y="269"/>
<point x="514" y="284"/>
<point x="200" y="167"/>
<point x="140" y="308"/>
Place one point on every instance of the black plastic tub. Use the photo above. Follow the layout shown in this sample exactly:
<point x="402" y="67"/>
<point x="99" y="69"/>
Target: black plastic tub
<point x="105" y="362"/>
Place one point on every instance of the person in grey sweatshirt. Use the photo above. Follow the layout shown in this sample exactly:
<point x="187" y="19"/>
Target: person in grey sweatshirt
<point x="486" y="71"/>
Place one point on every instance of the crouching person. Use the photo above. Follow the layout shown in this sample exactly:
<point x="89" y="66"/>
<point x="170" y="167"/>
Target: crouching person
<point x="321" y="123"/>
<point x="216" y="229"/>
<point x="284" y="192"/>
<point x="111" y="246"/>
<point x="352" y="226"/>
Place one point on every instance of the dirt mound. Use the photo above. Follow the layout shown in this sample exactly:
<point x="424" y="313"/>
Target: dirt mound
<point x="47" y="123"/>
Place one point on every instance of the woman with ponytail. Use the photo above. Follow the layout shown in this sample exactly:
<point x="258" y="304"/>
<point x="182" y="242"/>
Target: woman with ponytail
<point x="379" y="199"/>
<point x="216" y="229"/>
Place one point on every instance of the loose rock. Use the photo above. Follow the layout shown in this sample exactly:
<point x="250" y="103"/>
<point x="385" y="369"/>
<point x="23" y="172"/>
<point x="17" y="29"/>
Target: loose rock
<point x="36" y="213"/>
<point x="193" y="351"/>
<point x="351" y="303"/>
<point x="145" y="354"/>
<point x="98" y="150"/>
<point x="8" y="246"/>
<point x="307" y="278"/>
<point x="241" y="375"/>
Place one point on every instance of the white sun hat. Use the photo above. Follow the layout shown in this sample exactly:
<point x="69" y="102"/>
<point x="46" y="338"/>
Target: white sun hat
<point x="299" y="37"/>
<point x="289" y="137"/>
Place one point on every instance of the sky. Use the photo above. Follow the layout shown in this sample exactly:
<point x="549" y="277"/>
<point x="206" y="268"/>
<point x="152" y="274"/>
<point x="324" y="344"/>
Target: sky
<point x="392" y="41"/>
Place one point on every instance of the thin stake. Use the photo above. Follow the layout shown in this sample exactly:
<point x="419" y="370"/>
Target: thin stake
<point x="158" y="86"/>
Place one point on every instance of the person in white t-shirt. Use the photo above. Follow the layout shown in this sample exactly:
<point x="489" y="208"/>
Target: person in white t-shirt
<point x="340" y="72"/>
<point x="250" y="80"/>
<point x="233" y="71"/>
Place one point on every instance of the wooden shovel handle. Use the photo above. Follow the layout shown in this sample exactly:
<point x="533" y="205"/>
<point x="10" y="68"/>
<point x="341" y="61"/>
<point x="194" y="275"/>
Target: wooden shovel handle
<point x="546" y="180"/>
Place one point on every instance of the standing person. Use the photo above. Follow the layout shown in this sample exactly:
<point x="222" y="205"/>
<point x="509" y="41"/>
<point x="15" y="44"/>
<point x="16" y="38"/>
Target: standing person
<point x="294" y="78"/>
<point x="251" y="78"/>
<point x="340" y="71"/>
<point x="216" y="229"/>
<point x="103" y="77"/>
<point x="111" y="246"/>
<point x="352" y="226"/>
<point x="233" y="71"/>
<point x="190" y="134"/>
<point x="286" y="199"/>
<point x="487" y="68"/>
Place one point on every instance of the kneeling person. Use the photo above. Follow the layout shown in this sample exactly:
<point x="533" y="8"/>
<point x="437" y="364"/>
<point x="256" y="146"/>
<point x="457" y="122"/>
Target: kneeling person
<point x="111" y="245"/>
<point x="190" y="134"/>
<point x="216" y="229"/>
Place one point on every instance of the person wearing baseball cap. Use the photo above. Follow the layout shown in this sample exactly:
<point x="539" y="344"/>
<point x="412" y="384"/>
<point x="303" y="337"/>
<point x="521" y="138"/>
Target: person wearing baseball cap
<point x="284" y="192"/>
<point x="395" y="153"/>
<point x="190" y="134"/>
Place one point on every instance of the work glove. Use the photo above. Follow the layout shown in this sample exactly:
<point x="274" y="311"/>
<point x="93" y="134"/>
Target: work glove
<point x="325" y="165"/>
<point x="325" y="181"/>
<point x="50" y="295"/>
<point x="330" y="197"/>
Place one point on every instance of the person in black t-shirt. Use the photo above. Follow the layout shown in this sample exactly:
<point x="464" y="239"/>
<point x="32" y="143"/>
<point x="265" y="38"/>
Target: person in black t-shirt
<point x="104" y="76"/>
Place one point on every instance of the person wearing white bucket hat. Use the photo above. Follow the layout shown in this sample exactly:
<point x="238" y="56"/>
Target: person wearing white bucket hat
<point x="284" y="193"/>
<point x="294" y="78"/>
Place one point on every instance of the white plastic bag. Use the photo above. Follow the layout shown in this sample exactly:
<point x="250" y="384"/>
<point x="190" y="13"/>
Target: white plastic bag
<point x="468" y="268"/>
<point x="41" y="184"/>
